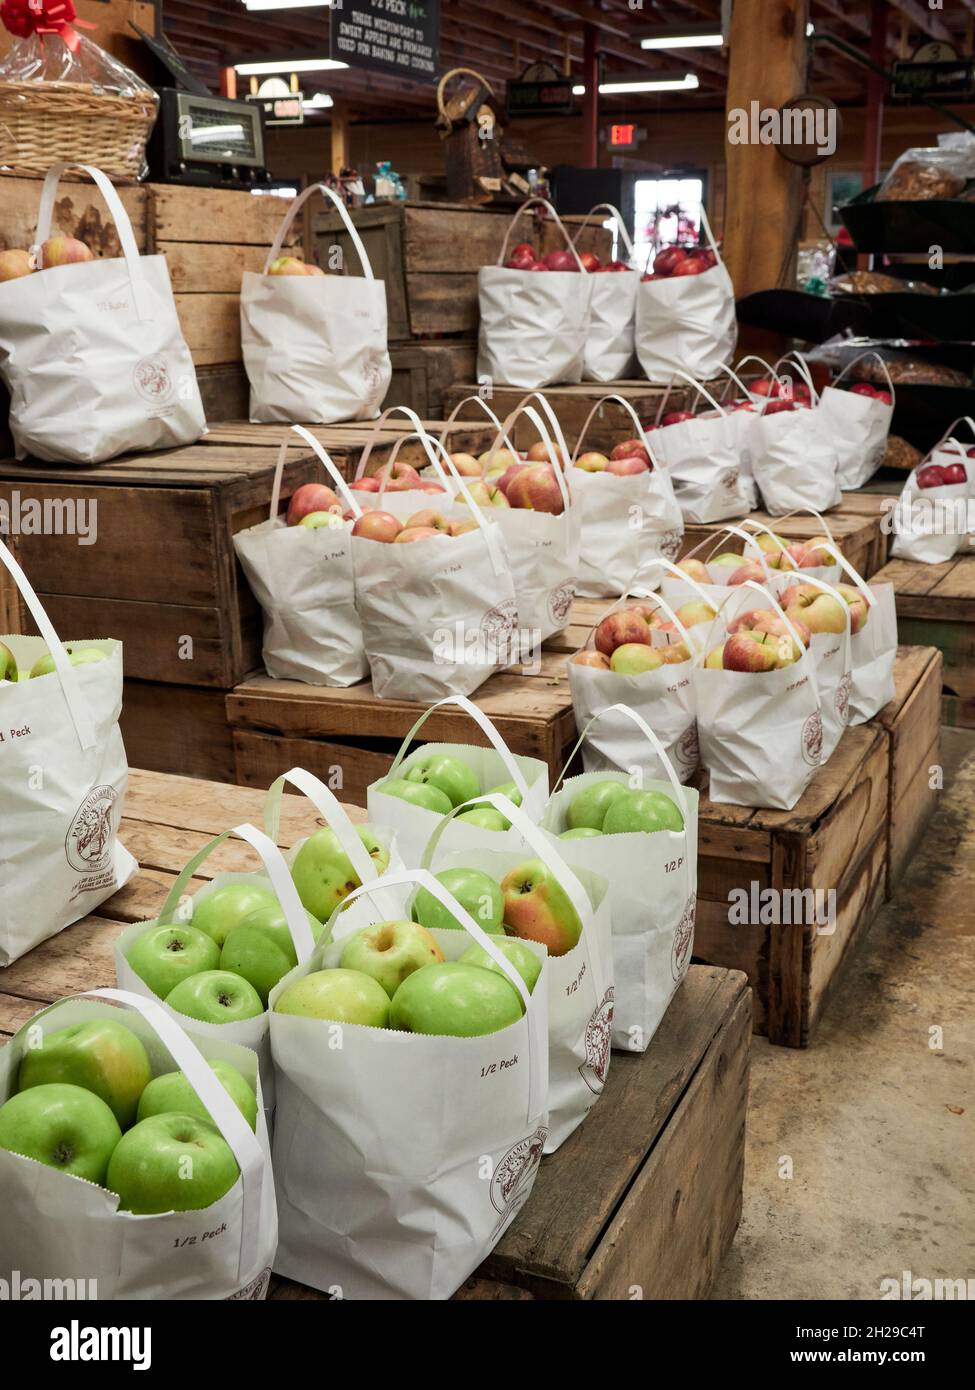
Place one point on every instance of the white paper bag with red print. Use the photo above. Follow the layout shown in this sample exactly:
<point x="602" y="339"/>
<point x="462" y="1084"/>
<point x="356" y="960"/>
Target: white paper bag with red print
<point x="405" y="488"/>
<point x="400" y="1159"/>
<point x="687" y="321"/>
<point x="740" y="413"/>
<point x="701" y="456"/>
<point x="610" y="353"/>
<point x="857" y="426"/>
<point x="580" y="1005"/>
<point x="93" y="354"/>
<point x="833" y="653"/>
<point x="794" y="458"/>
<point x="625" y="520"/>
<point x="315" y="345"/>
<point x="652" y="888"/>
<point x="874" y="647"/>
<point x="761" y="732"/>
<point x="533" y="326"/>
<point x="931" y="518"/>
<point x="304" y="582"/>
<point x="63" y="777"/>
<point x="57" y="1227"/>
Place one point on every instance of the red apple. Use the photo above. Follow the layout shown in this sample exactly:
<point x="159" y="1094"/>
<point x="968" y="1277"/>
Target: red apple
<point x="311" y="497"/>
<point x="15" y="264"/>
<point x="538" y="453"/>
<point x="431" y="488"/>
<point x="780" y="406"/>
<point x="693" y="265"/>
<point x="416" y="533"/>
<point x="561" y="260"/>
<point x="466" y="465"/>
<point x="884" y="396"/>
<point x="629" y="449"/>
<point x="621" y="629"/>
<point x="750" y="651"/>
<point x="677" y="417"/>
<point x="596" y="660"/>
<point x="750" y="570"/>
<point x="402" y="477"/>
<point x="427" y="518"/>
<point x="955" y="473"/>
<point x="665" y="260"/>
<point x="592" y="462"/>
<point x="366" y="485"/>
<point x="627" y="468"/>
<point x="537" y="489"/>
<point x="524" y="248"/>
<point x="539" y="265"/>
<point x="377" y="526"/>
<point x="63" y="250"/>
<point x="616" y="266"/>
<point x="931" y="476"/>
<point x="862" y="389"/>
<point x="590" y="261"/>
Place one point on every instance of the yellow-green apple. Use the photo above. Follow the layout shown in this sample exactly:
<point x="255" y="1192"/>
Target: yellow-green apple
<point x="311" y="497"/>
<point x="714" y="661"/>
<point x="583" y="832"/>
<point x="162" y="956"/>
<point x="484" y="495"/>
<point x="102" y="1056"/>
<point x="751" y="570"/>
<point x="429" y="518"/>
<point x="629" y="449"/>
<point x="537" y="908"/>
<point x="621" y="628"/>
<point x="499" y="462"/>
<point x="399" y="477"/>
<point x="217" y="913"/>
<point x="455" y="1000"/>
<point x="726" y="559"/>
<point x="674" y="653"/>
<point x="627" y="468"/>
<point x="646" y="810"/>
<point x="63" y="250"/>
<point x="522" y="957"/>
<point x="171" y="1163"/>
<point x="474" y="890"/>
<point x="635" y="659"/>
<point x="770" y="544"/>
<point x="287" y="265"/>
<point x="216" y="996"/>
<point x="537" y="490"/>
<point x="485" y="818"/>
<point x="410" y="534"/>
<point x="171" y="1093"/>
<point x="84" y="656"/>
<point x="337" y="996"/>
<point x="62" y="1126"/>
<point x="377" y="526"/>
<point x="587" y="809"/>
<point x="417" y="794"/>
<point x="466" y="465"/>
<point x="323" y="873"/>
<point x="390" y="952"/>
<point x="597" y="660"/>
<point x="8" y="663"/>
<point x="857" y="604"/>
<point x="751" y="652"/>
<point x="816" y="610"/>
<point x="695" y="612"/>
<point x="592" y="463"/>
<point x="825" y="547"/>
<point x="324" y="521"/>
<point x="450" y="775"/>
<point x="15" y="264"/>
<point x="463" y="528"/>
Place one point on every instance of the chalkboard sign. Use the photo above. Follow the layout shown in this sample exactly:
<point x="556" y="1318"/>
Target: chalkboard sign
<point x="552" y="98"/>
<point x="954" y="78"/>
<point x="399" y="37"/>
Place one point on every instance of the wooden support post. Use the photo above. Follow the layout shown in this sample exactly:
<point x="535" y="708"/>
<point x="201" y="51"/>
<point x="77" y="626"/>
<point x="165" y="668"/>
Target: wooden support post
<point x="341" y="155"/>
<point x="874" y="123"/>
<point x="228" y="83"/>
<point x="767" y="67"/>
<point x="590" y="107"/>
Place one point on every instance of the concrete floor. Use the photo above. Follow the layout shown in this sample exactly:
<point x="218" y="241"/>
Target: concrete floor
<point x="879" y="1128"/>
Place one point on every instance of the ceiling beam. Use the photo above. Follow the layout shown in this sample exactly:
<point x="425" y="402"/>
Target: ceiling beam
<point x="924" y="19"/>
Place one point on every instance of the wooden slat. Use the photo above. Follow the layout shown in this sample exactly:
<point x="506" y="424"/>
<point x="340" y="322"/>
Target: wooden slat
<point x="260" y="758"/>
<point x="217" y="215"/>
<point x="211" y="326"/>
<point x="177" y="726"/>
<point x="202" y="268"/>
<point x="79" y="211"/>
<point x="859" y="904"/>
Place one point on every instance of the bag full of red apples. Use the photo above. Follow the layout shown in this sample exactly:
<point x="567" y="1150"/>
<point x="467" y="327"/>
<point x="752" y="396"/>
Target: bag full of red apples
<point x="685" y="312"/>
<point x="857" y="422"/>
<point x="628" y="510"/>
<point x="794" y="456"/>
<point x="299" y="565"/>
<point x="610" y="352"/>
<point x="701" y="455"/>
<point x="931" y="518"/>
<point x="398" y="487"/>
<point x="759" y="712"/>
<point x="425" y="784"/>
<point x="640" y="834"/>
<point x="640" y="660"/>
<point x="314" y="341"/>
<point x="534" y="313"/>
<point x="103" y="1100"/>
<point x="63" y="777"/>
<point x="543" y="893"/>
<point x="91" y="349"/>
<point x="412" y="1067"/>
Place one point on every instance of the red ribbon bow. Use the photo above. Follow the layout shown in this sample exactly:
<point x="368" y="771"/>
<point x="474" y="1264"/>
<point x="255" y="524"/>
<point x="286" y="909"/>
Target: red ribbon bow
<point x="26" y="17"/>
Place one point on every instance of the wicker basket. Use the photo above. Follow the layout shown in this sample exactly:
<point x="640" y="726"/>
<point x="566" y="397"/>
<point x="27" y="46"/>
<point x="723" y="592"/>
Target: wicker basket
<point x="45" y="123"/>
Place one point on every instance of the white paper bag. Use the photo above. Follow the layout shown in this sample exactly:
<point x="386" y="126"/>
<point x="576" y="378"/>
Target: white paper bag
<point x="315" y="346"/>
<point x="652" y="887"/>
<point x="304" y="582"/>
<point x="833" y="654"/>
<point x="57" y="1227"/>
<point x="857" y="427"/>
<point x="874" y="648"/>
<point x="931" y="523"/>
<point x="63" y="777"/>
<point x="93" y="354"/>
<point x="687" y="321"/>
<point x="624" y="521"/>
<point x="702" y="458"/>
<point x="794" y="458"/>
<point x="401" y="1158"/>
<point x="610" y="352"/>
<point x="533" y="327"/>
<point x="493" y="767"/>
<point x="741" y="428"/>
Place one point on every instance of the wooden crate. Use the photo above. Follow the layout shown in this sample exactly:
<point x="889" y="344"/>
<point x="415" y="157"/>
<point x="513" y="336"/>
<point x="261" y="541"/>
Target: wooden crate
<point x="835" y="839"/>
<point x="423" y="373"/>
<point x="912" y="721"/>
<point x="351" y="737"/>
<point x="936" y="608"/>
<point x="428" y="255"/>
<point x="177" y="728"/>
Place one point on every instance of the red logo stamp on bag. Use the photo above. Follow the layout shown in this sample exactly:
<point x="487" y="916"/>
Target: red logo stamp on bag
<point x="843" y="698"/>
<point x="88" y="843"/>
<point x="670" y="544"/>
<point x="729" y="480"/>
<point x="152" y="380"/>
<point x="689" y="746"/>
<point x="514" y="1174"/>
<point x="499" y="623"/>
<point x="812" y="739"/>
<point x="680" y="955"/>
<point x="256" y="1289"/>
<point x="560" y="603"/>
<point x="599" y="1032"/>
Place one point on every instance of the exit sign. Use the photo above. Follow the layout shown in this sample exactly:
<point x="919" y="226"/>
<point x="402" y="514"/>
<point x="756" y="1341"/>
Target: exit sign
<point x="624" y="137"/>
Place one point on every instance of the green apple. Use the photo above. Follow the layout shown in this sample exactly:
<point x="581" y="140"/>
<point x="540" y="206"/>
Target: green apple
<point x="581" y="832"/>
<point x="728" y="558"/>
<point x="216" y="996"/>
<point x="642" y="811"/>
<point x="45" y="666"/>
<point x="162" y="956"/>
<point x="587" y="809"/>
<point x="273" y="916"/>
<point x="64" y="1126"/>
<point x="418" y="794"/>
<point x="528" y="965"/>
<point x="225" y="908"/>
<point x="171" y="1163"/>
<point x="485" y="818"/>
<point x="509" y="790"/>
<point x="323" y="872"/>
<point x="8" y="663"/>
<point x="389" y="952"/>
<point x="339" y="996"/>
<point x="455" y="1000"/>
<point x="101" y="1056"/>
<point x="455" y="779"/>
<point x="172" y="1094"/>
<point x="537" y="908"/>
<point x="474" y="890"/>
<point x="261" y="956"/>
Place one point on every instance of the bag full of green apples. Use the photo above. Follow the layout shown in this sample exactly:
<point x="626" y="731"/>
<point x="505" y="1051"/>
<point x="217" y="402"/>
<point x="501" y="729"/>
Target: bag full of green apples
<point x="425" y="785"/>
<point x="537" y="892"/>
<point x="134" y="1162"/>
<point x="412" y="1071"/>
<point x="640" y="834"/>
<point x="63" y="777"/>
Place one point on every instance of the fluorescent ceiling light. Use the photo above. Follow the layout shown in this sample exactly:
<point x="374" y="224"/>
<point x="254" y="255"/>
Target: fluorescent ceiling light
<point x="683" y="41"/>
<point x="289" y="65"/>
<point x="321" y="101"/>
<point x="687" y="83"/>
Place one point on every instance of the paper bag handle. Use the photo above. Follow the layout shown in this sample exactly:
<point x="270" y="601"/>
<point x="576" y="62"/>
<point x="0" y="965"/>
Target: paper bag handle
<point x="421" y="434"/>
<point x="453" y="421"/>
<point x="347" y="496"/>
<point x="617" y="400"/>
<point x="483" y="723"/>
<point x="328" y="806"/>
<point x="872" y="352"/>
<point x="606" y="207"/>
<point x="523" y="408"/>
<point x="538" y="202"/>
<point x="296" y="206"/>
